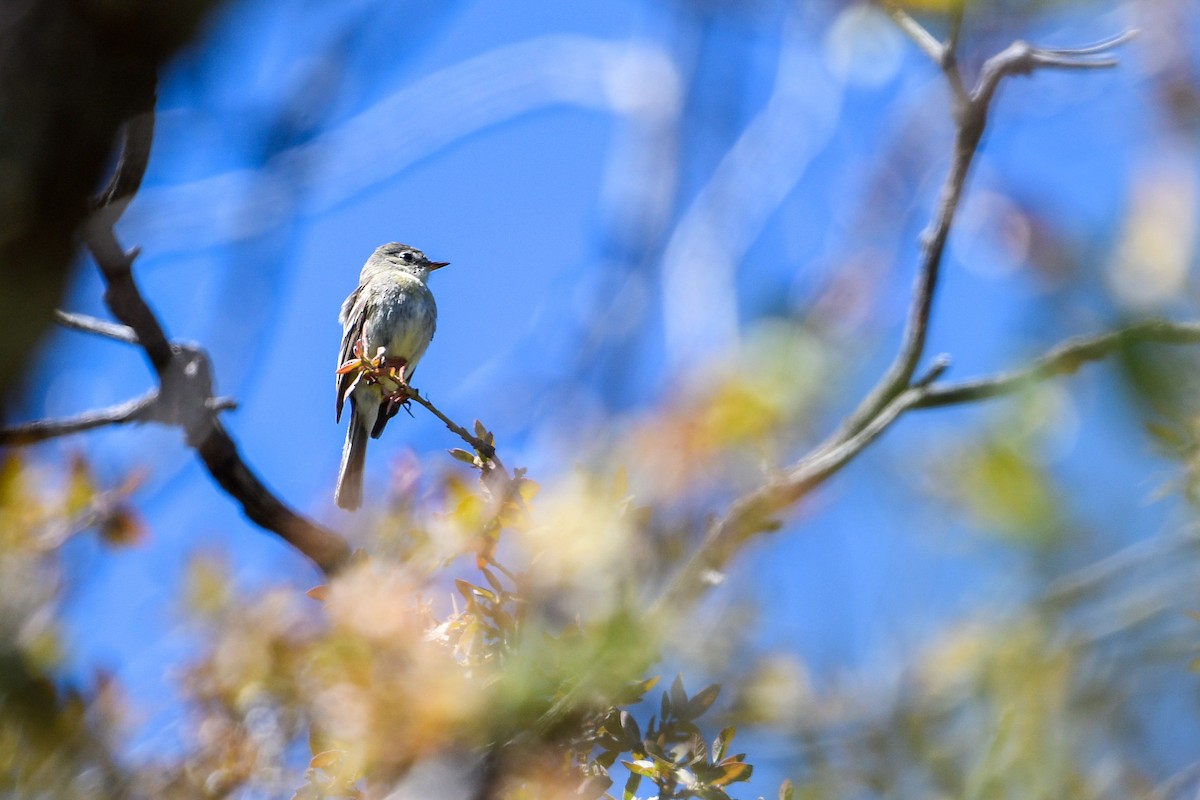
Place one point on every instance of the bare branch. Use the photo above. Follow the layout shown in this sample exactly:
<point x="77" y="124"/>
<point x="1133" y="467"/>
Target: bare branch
<point x="41" y="430"/>
<point x="921" y="37"/>
<point x="896" y="392"/>
<point x="1063" y="359"/>
<point x="756" y="512"/>
<point x="971" y="119"/>
<point x="137" y="135"/>
<point x="1021" y="58"/>
<point x="146" y="408"/>
<point x="486" y="450"/>
<point x="944" y="56"/>
<point x="185" y="375"/>
<point x="87" y="324"/>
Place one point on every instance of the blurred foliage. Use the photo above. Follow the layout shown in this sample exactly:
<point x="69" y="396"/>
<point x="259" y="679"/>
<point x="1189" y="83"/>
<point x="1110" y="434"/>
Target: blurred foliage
<point x="508" y="650"/>
<point x="498" y="637"/>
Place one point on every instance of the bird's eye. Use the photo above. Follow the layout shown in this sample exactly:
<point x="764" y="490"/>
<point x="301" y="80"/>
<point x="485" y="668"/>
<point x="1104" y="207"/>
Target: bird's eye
<point x="408" y="257"/>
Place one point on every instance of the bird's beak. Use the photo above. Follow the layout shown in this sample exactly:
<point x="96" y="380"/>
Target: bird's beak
<point x="438" y="265"/>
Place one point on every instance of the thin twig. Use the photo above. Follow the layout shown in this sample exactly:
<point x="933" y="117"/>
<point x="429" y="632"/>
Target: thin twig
<point x="950" y="57"/>
<point x="41" y="430"/>
<point x="756" y="512"/>
<point x="921" y="37"/>
<point x="486" y="450"/>
<point x="1062" y="359"/>
<point x="88" y="324"/>
<point x="141" y="409"/>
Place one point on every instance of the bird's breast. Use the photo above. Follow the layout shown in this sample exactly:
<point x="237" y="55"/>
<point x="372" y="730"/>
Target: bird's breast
<point x="403" y="320"/>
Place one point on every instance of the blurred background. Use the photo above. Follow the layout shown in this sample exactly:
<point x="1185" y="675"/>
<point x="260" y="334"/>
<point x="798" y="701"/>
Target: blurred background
<point x="680" y="229"/>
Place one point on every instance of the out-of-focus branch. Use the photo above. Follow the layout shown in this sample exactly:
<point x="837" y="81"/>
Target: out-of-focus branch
<point x="756" y="512"/>
<point x="87" y="324"/>
<point x="971" y="114"/>
<point x="141" y="409"/>
<point x="41" y="430"/>
<point x="896" y="391"/>
<point x="185" y="375"/>
<point x="944" y="55"/>
<point x="73" y="73"/>
<point x="1063" y="359"/>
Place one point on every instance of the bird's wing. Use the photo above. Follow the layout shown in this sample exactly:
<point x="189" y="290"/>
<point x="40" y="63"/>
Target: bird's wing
<point x="353" y="316"/>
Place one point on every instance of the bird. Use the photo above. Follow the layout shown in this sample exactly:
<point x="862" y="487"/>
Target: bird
<point x="393" y="309"/>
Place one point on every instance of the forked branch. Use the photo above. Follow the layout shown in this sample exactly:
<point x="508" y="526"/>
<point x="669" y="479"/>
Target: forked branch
<point x="897" y="392"/>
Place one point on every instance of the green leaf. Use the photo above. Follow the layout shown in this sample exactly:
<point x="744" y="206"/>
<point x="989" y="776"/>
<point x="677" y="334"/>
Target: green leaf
<point x="463" y="456"/>
<point x="480" y="431"/>
<point x="1170" y="438"/>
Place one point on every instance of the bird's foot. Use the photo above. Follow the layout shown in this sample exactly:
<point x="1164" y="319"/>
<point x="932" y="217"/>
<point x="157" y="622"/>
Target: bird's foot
<point x="377" y="369"/>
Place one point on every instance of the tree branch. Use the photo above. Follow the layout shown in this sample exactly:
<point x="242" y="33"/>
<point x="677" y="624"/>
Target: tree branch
<point x="41" y="430"/>
<point x="971" y="115"/>
<point x="87" y="324"/>
<point x="896" y="391"/>
<point x="146" y="408"/>
<point x="1063" y="359"/>
<point x="755" y="512"/>
<point x="185" y="374"/>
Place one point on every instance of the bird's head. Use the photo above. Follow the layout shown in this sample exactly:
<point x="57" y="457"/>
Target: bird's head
<point x="407" y="258"/>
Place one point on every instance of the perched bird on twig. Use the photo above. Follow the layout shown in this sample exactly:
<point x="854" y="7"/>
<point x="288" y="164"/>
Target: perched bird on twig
<point x="387" y="322"/>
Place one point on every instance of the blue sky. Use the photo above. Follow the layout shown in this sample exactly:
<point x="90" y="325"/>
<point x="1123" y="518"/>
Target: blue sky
<point x="501" y="136"/>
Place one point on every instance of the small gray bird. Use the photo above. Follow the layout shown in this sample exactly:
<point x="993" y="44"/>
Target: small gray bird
<point x="394" y="309"/>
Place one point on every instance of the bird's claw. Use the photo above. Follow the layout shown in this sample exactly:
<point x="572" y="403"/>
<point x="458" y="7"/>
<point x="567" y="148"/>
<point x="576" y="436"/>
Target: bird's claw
<point x="376" y="369"/>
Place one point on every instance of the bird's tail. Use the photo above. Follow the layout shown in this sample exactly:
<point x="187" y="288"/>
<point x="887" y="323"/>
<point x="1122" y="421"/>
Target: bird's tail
<point x="349" y="491"/>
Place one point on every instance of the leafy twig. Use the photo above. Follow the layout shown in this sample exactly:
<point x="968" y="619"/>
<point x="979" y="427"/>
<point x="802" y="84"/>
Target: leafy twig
<point x="385" y="372"/>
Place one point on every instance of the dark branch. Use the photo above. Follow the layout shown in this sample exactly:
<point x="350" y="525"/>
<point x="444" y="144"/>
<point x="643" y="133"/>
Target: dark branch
<point x="137" y="135"/>
<point x="146" y="408"/>
<point x="122" y="414"/>
<point x="82" y="322"/>
<point x="185" y="375"/>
